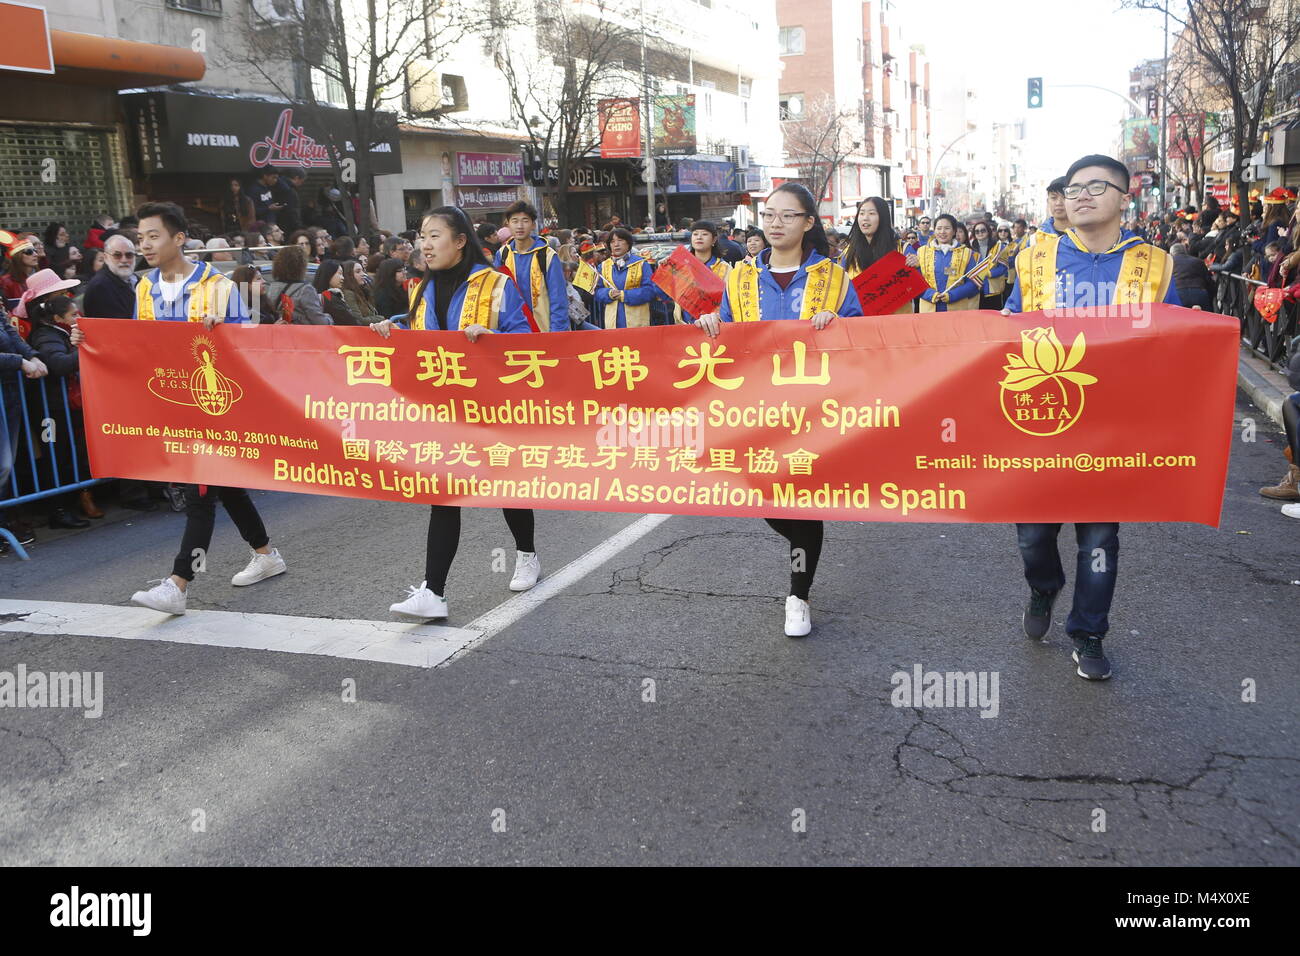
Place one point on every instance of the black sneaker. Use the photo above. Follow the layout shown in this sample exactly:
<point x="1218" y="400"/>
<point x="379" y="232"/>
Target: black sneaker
<point x="1037" y="619"/>
<point x="139" y="504"/>
<point x="175" y="495"/>
<point x="23" y="533"/>
<point x="1091" y="659"/>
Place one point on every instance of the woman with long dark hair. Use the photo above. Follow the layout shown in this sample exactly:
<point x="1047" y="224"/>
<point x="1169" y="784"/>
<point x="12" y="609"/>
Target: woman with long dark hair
<point x="252" y="288"/>
<point x="871" y="238"/>
<point x="461" y="291"/>
<point x="390" y="297"/>
<point x="990" y="266"/>
<point x="793" y="279"/>
<point x="237" y="214"/>
<point x="945" y="262"/>
<point x="356" y="292"/>
<point x="328" y="282"/>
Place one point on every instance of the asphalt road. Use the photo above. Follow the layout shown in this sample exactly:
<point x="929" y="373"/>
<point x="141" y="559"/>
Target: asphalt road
<point x="539" y="745"/>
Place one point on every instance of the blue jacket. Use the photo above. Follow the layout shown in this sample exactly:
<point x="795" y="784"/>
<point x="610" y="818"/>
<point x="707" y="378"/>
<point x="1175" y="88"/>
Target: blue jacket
<point x="1084" y="279"/>
<point x="1000" y="269"/>
<point x="205" y="288"/>
<point x="507" y="307"/>
<point x="555" y="311"/>
<point x="962" y="290"/>
<point x="643" y="294"/>
<point x="777" y="303"/>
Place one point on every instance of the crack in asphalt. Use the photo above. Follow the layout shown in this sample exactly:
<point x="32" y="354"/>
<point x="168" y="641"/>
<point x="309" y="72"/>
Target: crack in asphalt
<point x="63" y="757"/>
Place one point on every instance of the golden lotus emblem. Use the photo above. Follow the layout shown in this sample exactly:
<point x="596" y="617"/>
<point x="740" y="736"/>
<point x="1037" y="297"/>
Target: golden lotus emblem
<point x="1042" y="393"/>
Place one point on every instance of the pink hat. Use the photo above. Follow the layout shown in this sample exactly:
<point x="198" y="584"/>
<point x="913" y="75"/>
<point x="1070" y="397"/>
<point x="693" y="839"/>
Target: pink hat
<point x="504" y="234"/>
<point x="40" y="284"/>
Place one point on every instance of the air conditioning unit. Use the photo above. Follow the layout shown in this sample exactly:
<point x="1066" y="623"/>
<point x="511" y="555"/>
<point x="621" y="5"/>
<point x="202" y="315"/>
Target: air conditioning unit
<point x="423" y="86"/>
<point x="269" y="13"/>
<point x="740" y="156"/>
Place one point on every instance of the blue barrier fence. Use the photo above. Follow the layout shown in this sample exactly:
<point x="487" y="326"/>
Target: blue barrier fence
<point x="40" y="462"/>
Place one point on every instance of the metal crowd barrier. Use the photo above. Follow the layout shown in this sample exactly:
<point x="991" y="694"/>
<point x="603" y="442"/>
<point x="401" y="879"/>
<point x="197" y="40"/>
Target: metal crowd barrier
<point x="1274" y="341"/>
<point x="20" y="453"/>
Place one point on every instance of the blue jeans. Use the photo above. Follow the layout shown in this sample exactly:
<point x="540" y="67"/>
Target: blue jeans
<point x="1095" y="574"/>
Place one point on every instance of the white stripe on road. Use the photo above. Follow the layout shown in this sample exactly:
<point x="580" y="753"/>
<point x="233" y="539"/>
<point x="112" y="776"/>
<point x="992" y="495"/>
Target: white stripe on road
<point x="388" y="642"/>
<point x="502" y="616"/>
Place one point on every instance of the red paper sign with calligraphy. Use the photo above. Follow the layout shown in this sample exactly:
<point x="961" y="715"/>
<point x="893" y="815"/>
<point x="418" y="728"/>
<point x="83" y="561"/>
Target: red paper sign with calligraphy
<point x="1053" y="415"/>
<point x="689" y="282"/>
<point x="888" y="284"/>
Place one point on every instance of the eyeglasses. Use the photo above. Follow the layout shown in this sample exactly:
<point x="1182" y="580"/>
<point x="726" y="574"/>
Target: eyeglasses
<point x="925" y="222"/>
<point x="787" y="217"/>
<point x="121" y="255"/>
<point x="1095" y="188"/>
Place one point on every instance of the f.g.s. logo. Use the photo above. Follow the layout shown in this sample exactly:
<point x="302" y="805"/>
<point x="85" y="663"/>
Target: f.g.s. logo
<point x="204" y="387"/>
<point x="1042" y="393"/>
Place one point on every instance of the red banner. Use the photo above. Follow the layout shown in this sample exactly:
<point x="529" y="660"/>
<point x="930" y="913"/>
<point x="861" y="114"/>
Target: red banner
<point x="888" y="284"/>
<point x="620" y="128"/>
<point x="940" y="417"/>
<point x="689" y="282"/>
<point x="914" y="186"/>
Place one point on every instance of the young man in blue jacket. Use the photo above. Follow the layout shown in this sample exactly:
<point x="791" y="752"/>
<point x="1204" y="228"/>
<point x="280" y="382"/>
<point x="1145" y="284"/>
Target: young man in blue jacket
<point x="178" y="290"/>
<point x="1094" y="262"/>
<point x="536" y="268"/>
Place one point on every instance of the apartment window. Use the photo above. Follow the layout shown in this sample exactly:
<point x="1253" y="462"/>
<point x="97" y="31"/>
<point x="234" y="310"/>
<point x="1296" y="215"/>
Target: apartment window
<point x="745" y="89"/>
<point x="790" y="40"/>
<point x="859" y="50"/>
<point x="454" y="95"/>
<point x="791" y="105"/>
<point x="210" y="7"/>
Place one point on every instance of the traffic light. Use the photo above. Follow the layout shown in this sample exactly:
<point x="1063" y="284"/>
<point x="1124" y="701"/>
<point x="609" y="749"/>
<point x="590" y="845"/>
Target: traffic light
<point x="1035" y="92"/>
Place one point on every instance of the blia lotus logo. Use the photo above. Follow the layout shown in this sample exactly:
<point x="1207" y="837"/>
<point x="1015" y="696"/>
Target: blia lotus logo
<point x="1042" y="393"/>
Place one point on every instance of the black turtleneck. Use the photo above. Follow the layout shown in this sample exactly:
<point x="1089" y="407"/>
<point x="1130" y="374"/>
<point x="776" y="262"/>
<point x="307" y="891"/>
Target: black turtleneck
<point x="445" y="283"/>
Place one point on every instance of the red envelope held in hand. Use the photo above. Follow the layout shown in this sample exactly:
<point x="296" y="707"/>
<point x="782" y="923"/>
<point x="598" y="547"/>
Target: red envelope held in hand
<point x="689" y="282"/>
<point x="888" y="284"/>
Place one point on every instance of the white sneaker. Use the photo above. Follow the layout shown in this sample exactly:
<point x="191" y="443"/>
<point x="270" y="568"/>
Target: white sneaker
<point x="798" y="617"/>
<point x="527" y="570"/>
<point x="1292" y="510"/>
<point x="421" y="604"/>
<point x="165" y="597"/>
<point x="261" y="567"/>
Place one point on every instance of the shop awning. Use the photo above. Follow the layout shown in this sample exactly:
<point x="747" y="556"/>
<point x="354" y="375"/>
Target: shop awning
<point x="31" y="47"/>
<point x="121" y="64"/>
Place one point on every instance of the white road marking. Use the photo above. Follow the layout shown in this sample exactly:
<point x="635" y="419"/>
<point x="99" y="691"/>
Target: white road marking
<point x="388" y="642"/>
<point x="502" y="616"/>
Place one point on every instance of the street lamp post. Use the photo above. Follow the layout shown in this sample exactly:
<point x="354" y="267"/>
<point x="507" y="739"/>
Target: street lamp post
<point x="650" y="175"/>
<point x="932" y="212"/>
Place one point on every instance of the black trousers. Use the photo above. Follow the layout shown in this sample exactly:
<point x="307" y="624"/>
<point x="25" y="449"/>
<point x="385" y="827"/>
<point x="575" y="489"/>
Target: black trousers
<point x="201" y="518"/>
<point x="805" y="539"/>
<point x="444" y="539"/>
<point x="1291" y="421"/>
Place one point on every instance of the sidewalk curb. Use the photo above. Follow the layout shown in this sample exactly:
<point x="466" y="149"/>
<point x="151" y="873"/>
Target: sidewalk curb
<point x="1266" y="387"/>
